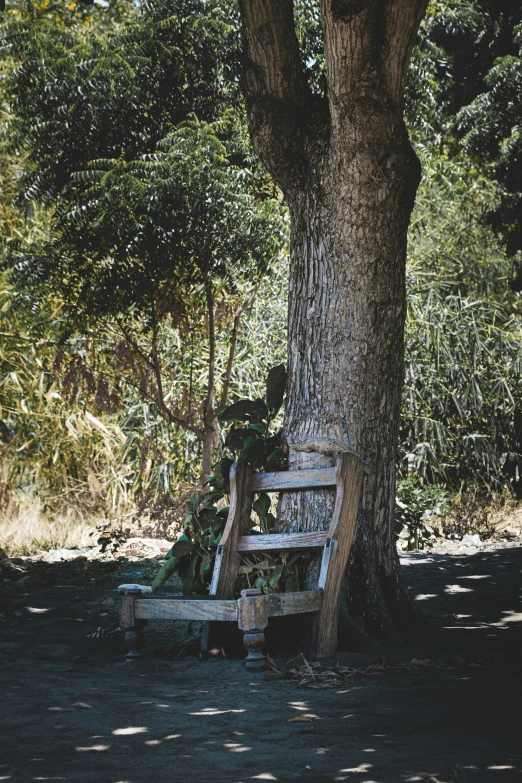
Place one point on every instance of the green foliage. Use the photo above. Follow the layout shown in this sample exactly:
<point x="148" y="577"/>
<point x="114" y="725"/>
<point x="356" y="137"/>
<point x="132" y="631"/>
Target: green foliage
<point x="461" y="401"/>
<point x="256" y="444"/>
<point x="307" y="16"/>
<point x="47" y="446"/>
<point x="419" y="511"/>
<point x="192" y="556"/>
<point x="463" y="98"/>
<point x="492" y="131"/>
<point x="159" y="227"/>
<point x="129" y="219"/>
<point x="80" y="95"/>
<point x="283" y="572"/>
<point x="462" y="396"/>
<point x="450" y="246"/>
<point x="146" y="237"/>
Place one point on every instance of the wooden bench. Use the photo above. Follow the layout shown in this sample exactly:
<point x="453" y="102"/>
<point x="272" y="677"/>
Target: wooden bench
<point x="252" y="610"/>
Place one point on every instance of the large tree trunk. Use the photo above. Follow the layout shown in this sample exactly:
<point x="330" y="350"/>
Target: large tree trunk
<point x="350" y="177"/>
<point x="345" y="348"/>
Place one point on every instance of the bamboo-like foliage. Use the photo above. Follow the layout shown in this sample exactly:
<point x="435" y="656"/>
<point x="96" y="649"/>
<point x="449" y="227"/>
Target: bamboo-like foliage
<point x="79" y="419"/>
<point x="47" y="445"/>
<point x="462" y="401"/>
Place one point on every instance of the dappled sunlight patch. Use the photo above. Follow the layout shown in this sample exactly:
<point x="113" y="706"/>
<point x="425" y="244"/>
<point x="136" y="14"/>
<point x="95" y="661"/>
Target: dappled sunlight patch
<point x="264" y="776"/>
<point x="211" y="711"/>
<point x="130" y="730"/>
<point x="509" y="617"/>
<point x="36" y="610"/>
<point x="236" y="747"/>
<point x="500" y="766"/>
<point x="360" y="768"/>
<point x="97" y="748"/>
<point x="457" y="589"/>
<point x="155" y="704"/>
<point x="475" y="576"/>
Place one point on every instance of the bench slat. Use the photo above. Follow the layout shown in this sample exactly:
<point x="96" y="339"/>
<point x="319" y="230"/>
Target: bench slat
<point x="294" y="603"/>
<point x="281" y="541"/>
<point x="188" y="609"/>
<point x="292" y="479"/>
<point x="184" y="609"/>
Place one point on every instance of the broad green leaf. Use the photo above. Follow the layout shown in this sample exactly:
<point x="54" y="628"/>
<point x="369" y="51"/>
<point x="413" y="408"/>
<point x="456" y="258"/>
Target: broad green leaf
<point x="276" y="576"/>
<point x="182" y="548"/>
<point x="205" y="568"/>
<point x="236" y="438"/>
<point x="245" y="410"/>
<point x="166" y="570"/>
<point x="275" y="387"/>
<point x="189" y="581"/>
<point x="262" y="505"/>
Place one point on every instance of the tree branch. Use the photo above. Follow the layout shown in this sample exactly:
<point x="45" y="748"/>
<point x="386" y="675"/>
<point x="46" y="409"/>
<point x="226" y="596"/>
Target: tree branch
<point x="172" y="417"/>
<point x="275" y="86"/>
<point x="232" y="350"/>
<point x="367" y="47"/>
<point x="159" y="386"/>
<point x="155" y="367"/>
<point x="400" y="40"/>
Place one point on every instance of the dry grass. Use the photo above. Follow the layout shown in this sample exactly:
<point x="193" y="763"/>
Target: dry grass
<point x="508" y="519"/>
<point x="27" y="529"/>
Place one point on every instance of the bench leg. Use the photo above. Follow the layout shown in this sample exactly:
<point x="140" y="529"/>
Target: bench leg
<point x="254" y="641"/>
<point x="252" y="620"/>
<point x="134" y="638"/>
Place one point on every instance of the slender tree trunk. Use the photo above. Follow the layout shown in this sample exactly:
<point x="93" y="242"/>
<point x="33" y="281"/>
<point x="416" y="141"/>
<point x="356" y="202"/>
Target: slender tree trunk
<point x="350" y="176"/>
<point x="208" y="444"/>
<point x="210" y="431"/>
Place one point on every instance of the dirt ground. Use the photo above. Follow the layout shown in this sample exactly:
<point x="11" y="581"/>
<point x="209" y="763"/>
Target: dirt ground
<point x="73" y="709"/>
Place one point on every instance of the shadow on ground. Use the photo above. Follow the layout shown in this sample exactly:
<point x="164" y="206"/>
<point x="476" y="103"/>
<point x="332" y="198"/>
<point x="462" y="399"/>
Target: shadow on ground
<point x="73" y="709"/>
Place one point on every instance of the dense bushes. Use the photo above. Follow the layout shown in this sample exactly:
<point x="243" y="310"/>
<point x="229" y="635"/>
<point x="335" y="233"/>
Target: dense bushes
<point x="62" y="428"/>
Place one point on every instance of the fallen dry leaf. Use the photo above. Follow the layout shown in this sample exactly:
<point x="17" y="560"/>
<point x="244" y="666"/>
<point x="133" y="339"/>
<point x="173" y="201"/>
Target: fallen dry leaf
<point x="300" y="719"/>
<point x="313" y="675"/>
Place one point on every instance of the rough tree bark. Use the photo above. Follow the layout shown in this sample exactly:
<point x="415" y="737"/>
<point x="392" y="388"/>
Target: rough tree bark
<point x="350" y="176"/>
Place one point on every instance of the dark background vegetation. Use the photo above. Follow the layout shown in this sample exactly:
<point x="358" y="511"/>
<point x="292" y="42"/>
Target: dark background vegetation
<point x="137" y="223"/>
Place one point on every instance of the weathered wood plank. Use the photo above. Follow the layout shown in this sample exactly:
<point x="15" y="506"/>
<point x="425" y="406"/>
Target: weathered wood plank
<point x="252" y="611"/>
<point x="179" y="609"/>
<point x="292" y="480"/>
<point x="337" y="550"/>
<point x="127" y="611"/>
<point x="281" y="541"/>
<point x="294" y="603"/>
<point x="238" y="522"/>
<point x="251" y="615"/>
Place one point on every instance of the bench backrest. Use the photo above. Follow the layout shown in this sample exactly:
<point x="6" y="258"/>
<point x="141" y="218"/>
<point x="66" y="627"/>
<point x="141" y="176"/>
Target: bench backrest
<point x="292" y="480"/>
<point x="345" y="477"/>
